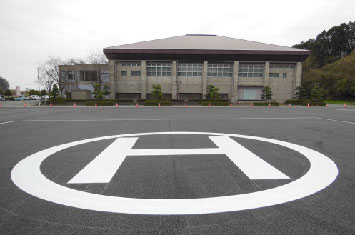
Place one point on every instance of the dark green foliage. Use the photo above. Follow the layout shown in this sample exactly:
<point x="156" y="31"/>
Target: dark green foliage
<point x="99" y="92"/>
<point x="106" y="90"/>
<point x="4" y="84"/>
<point x="156" y="92"/>
<point x="7" y="93"/>
<point x="55" y="92"/>
<point x="156" y="103"/>
<point x="212" y="93"/>
<point x="214" y="103"/>
<point x="43" y="92"/>
<point x="100" y="103"/>
<point x="305" y="102"/>
<point x="266" y="93"/>
<point x="266" y="103"/>
<point x="1" y="92"/>
<point x="330" y="45"/>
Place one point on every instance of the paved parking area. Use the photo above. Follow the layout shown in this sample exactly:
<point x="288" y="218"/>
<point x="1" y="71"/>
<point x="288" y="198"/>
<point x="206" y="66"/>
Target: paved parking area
<point x="176" y="170"/>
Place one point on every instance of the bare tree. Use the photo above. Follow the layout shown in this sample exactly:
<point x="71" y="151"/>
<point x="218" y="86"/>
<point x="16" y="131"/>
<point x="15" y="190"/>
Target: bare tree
<point x="97" y="58"/>
<point x="49" y="73"/>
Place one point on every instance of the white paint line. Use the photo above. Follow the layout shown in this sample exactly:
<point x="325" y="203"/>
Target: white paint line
<point x="28" y="177"/>
<point x="168" y="152"/>
<point x="348" y="110"/>
<point x="3" y="123"/>
<point x="276" y="118"/>
<point x="94" y="120"/>
<point x="332" y="120"/>
<point x="252" y="166"/>
<point x="105" y="165"/>
<point x="353" y="123"/>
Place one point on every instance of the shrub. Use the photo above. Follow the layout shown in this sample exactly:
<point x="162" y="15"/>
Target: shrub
<point x="273" y="103"/>
<point x="57" y="101"/>
<point x="99" y="103"/>
<point x="314" y="103"/>
<point x="156" y="103"/>
<point x="215" y="103"/>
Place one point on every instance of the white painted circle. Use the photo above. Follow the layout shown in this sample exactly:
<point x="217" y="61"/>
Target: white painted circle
<point x="28" y="177"/>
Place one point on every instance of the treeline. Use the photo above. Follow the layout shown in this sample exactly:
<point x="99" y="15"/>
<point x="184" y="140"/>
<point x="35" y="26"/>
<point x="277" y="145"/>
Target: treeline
<point x="331" y="65"/>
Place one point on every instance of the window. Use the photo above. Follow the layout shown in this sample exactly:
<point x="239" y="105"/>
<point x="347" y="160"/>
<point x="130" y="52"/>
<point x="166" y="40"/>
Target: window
<point x="189" y="70"/>
<point x="90" y="75"/>
<point x="130" y="64"/>
<point x="251" y="70"/>
<point x="159" y="69"/>
<point x="123" y="73"/>
<point x="282" y="66"/>
<point x="220" y="70"/>
<point x="284" y="75"/>
<point x="274" y="75"/>
<point x="136" y="73"/>
<point x="71" y="76"/>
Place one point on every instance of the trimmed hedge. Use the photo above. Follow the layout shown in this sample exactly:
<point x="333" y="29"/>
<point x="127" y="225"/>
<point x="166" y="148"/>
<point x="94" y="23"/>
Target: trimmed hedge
<point x="99" y="103"/>
<point x="156" y="103"/>
<point x="215" y="103"/>
<point x="314" y="103"/>
<point x="305" y="102"/>
<point x="273" y="103"/>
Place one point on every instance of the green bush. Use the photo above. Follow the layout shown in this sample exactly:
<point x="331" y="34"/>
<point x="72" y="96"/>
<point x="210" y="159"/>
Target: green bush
<point x="99" y="103"/>
<point x="156" y="103"/>
<point x="295" y="102"/>
<point x="266" y="103"/>
<point x="57" y="101"/>
<point x="314" y="103"/>
<point x="215" y="103"/>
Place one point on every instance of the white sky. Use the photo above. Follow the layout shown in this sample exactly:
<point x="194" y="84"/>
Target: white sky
<point x="33" y="30"/>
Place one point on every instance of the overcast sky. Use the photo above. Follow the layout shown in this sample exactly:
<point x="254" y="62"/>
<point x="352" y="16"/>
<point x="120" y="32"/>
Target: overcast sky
<point x="33" y="30"/>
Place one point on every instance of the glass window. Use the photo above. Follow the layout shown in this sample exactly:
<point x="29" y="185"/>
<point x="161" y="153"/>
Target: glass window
<point x="284" y="75"/>
<point x="71" y="76"/>
<point x="135" y="73"/>
<point x="220" y="70"/>
<point x="130" y="64"/>
<point x="123" y="73"/>
<point x="282" y="66"/>
<point x="90" y="75"/>
<point x="159" y="69"/>
<point x="189" y="70"/>
<point x="274" y="75"/>
<point x="251" y="70"/>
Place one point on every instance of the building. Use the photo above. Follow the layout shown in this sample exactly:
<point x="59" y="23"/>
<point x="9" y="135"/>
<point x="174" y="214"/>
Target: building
<point x="78" y="79"/>
<point x="185" y="65"/>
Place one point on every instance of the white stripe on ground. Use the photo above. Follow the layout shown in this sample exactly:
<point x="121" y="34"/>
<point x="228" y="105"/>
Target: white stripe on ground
<point x="6" y="122"/>
<point x="348" y="110"/>
<point x="276" y="118"/>
<point x="93" y="120"/>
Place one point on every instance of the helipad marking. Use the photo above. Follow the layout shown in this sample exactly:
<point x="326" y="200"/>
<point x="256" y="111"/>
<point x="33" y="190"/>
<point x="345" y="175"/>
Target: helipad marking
<point x="105" y="165"/>
<point x="28" y="177"/>
<point x="253" y="166"/>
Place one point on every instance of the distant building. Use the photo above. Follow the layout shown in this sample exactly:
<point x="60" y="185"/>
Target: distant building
<point x="18" y="91"/>
<point x="185" y="65"/>
<point x="79" y="79"/>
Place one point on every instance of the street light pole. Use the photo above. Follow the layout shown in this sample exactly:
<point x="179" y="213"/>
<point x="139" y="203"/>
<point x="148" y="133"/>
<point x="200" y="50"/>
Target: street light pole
<point x="39" y="88"/>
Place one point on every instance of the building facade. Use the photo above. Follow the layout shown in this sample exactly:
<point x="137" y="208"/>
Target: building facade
<point x="79" y="79"/>
<point x="185" y="65"/>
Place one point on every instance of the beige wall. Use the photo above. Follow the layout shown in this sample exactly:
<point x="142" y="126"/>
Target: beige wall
<point x="282" y="88"/>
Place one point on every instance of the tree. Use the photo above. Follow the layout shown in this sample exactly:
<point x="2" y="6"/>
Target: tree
<point x="212" y="93"/>
<point x="49" y="74"/>
<point x="156" y="91"/>
<point x="97" y="92"/>
<point x="97" y="59"/>
<point x="4" y="84"/>
<point x="55" y="92"/>
<point x="106" y="90"/>
<point x="317" y="93"/>
<point x="8" y="93"/>
<point x="1" y="92"/>
<point x="266" y="93"/>
<point x="43" y="92"/>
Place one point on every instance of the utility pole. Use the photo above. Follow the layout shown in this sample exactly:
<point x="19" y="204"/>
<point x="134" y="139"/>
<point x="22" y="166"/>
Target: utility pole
<point x="39" y="88"/>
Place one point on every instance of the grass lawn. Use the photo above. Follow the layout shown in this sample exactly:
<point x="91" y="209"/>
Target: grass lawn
<point x="340" y="102"/>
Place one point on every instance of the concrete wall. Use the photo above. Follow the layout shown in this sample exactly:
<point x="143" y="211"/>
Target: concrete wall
<point x="282" y="88"/>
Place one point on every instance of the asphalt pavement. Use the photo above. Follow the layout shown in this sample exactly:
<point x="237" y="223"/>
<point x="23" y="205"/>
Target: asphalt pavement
<point x="177" y="170"/>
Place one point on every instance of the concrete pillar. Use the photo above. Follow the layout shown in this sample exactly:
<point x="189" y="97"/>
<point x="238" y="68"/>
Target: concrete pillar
<point x="298" y="74"/>
<point x="112" y="71"/>
<point x="143" y="86"/>
<point x="204" y="79"/>
<point x="234" y="94"/>
<point x="174" y="82"/>
<point x="266" y="73"/>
